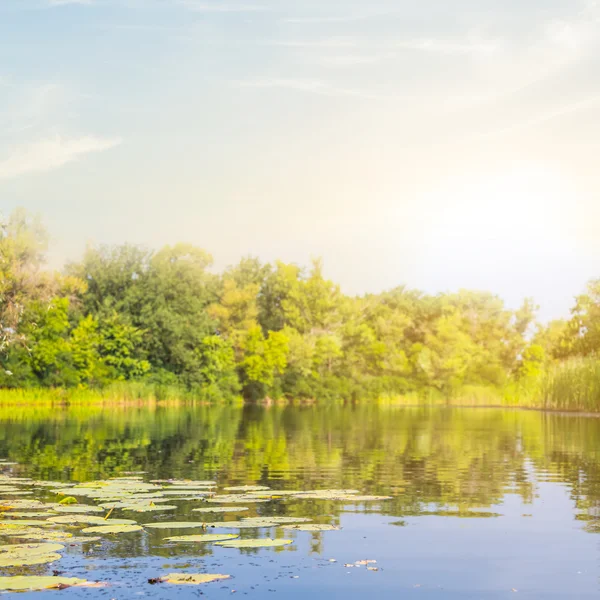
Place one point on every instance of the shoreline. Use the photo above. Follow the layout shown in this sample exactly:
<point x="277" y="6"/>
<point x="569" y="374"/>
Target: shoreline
<point x="60" y="399"/>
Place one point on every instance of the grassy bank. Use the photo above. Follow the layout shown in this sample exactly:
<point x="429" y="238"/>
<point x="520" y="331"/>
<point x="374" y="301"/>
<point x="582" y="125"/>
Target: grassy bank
<point x="125" y="393"/>
<point x="573" y="385"/>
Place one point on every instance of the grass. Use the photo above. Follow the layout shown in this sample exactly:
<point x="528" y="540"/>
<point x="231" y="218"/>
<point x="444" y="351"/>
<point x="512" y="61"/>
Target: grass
<point x="573" y="385"/>
<point x="125" y="393"/>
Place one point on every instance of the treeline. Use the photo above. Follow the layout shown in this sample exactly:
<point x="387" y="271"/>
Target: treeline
<point x="257" y="330"/>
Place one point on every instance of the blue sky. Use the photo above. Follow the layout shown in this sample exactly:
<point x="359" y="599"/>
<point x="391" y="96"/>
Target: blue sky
<point x="442" y="144"/>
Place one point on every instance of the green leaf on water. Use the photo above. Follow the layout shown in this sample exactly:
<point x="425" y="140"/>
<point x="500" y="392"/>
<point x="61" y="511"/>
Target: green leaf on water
<point x="24" y="523"/>
<point x="21" y="583"/>
<point x="202" y="538"/>
<point x="10" y="560"/>
<point x="87" y="520"/>
<point x="149" y="507"/>
<point x="246" y="488"/>
<point x="68" y="500"/>
<point x="29" y="549"/>
<point x="192" y="578"/>
<point x="237" y="498"/>
<point x="312" y="527"/>
<point x="275" y="520"/>
<point x="112" y="529"/>
<point x="255" y="543"/>
<point x="177" y="525"/>
<point x="80" y="508"/>
<point x="28" y="514"/>
<point x="221" y="509"/>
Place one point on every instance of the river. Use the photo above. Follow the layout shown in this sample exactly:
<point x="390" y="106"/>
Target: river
<point x="483" y="503"/>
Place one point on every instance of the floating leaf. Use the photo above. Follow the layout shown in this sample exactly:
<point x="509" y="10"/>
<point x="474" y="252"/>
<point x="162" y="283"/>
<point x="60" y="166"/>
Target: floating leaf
<point x="312" y="527"/>
<point x="256" y="543"/>
<point x="20" y="531"/>
<point x="21" y="583"/>
<point x="186" y="482"/>
<point x="221" y="509"/>
<point x="149" y="507"/>
<point x="79" y="508"/>
<point x="276" y="520"/>
<point x="112" y="529"/>
<point x="30" y="549"/>
<point x="352" y="498"/>
<point x="54" y="484"/>
<point x="246" y="488"/>
<point x="235" y="498"/>
<point x="10" y="560"/>
<point x="20" y="503"/>
<point x="46" y="536"/>
<point x="29" y="514"/>
<point x="199" y="494"/>
<point x="202" y="538"/>
<point x="68" y="500"/>
<point x="177" y="525"/>
<point x="88" y="520"/>
<point x="192" y="578"/>
<point x="24" y="523"/>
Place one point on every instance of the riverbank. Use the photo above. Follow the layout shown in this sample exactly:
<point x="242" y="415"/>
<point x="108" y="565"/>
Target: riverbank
<point x="570" y="386"/>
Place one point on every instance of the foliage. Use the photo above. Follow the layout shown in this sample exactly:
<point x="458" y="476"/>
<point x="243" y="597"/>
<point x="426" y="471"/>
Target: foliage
<point x="161" y="321"/>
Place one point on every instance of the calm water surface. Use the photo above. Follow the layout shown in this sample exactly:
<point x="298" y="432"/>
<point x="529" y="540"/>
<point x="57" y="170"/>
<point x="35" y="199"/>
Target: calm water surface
<point x="487" y="504"/>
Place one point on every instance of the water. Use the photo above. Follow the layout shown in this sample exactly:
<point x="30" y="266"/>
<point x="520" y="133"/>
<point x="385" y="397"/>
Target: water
<point x="487" y="504"/>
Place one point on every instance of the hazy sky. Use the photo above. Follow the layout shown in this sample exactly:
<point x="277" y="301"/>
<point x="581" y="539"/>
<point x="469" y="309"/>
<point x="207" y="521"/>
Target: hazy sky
<point x="439" y="143"/>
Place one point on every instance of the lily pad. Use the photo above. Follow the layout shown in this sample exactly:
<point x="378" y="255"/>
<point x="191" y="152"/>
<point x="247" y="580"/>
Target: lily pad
<point x="10" y="560"/>
<point x="276" y="520"/>
<point x="29" y="549"/>
<point x="187" y="482"/>
<point x="255" y="543"/>
<point x="351" y="498"/>
<point x="221" y="509"/>
<point x="20" y="503"/>
<point x="202" y="538"/>
<point x="177" y="525"/>
<point x="78" y="508"/>
<point x="88" y="520"/>
<point x="112" y="529"/>
<point x="20" y="531"/>
<point x="192" y="578"/>
<point x="28" y="514"/>
<point x="24" y="523"/>
<point x="21" y="583"/>
<point x="246" y="488"/>
<point x="312" y="527"/>
<point x="149" y="508"/>
<point x="44" y="536"/>
<point x="236" y="498"/>
<point x="247" y="524"/>
<point x="198" y="493"/>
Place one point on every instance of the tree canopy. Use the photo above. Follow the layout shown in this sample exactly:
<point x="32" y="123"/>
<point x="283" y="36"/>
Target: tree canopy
<point x="262" y="330"/>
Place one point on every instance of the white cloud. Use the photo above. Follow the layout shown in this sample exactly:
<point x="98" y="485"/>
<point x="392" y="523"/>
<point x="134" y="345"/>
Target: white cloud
<point x="334" y="19"/>
<point x="50" y="154"/>
<point x="322" y="43"/>
<point x="443" y="46"/>
<point x="65" y="2"/>
<point x="352" y="60"/>
<point x="220" y="7"/>
<point x="320" y="88"/>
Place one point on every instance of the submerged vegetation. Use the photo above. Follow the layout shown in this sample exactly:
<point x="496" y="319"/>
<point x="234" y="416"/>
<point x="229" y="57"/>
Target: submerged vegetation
<point x="128" y="324"/>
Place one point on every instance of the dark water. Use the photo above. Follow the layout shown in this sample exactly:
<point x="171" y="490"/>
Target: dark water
<point x="487" y="504"/>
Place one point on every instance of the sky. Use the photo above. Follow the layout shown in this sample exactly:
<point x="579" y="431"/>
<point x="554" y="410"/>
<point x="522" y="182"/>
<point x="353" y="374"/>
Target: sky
<point x="441" y="144"/>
